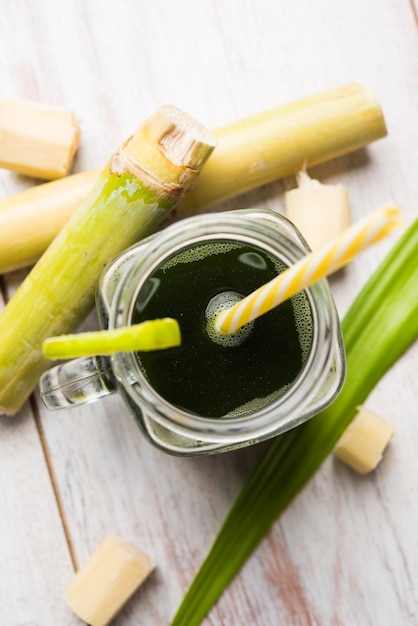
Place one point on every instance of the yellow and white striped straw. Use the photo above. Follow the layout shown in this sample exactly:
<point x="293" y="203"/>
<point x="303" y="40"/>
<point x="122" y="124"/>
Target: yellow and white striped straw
<point x="310" y="269"/>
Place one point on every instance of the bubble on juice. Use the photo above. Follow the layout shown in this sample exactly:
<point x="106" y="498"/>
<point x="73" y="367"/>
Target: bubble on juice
<point x="216" y="305"/>
<point x="200" y="252"/>
<point x="303" y="320"/>
<point x="303" y="315"/>
<point x="257" y="404"/>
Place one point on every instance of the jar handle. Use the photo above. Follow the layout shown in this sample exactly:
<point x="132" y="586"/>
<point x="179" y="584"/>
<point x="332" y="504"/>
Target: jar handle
<point x="77" y="382"/>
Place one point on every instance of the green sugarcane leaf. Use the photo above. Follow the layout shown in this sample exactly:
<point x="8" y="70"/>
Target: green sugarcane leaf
<point x="379" y="326"/>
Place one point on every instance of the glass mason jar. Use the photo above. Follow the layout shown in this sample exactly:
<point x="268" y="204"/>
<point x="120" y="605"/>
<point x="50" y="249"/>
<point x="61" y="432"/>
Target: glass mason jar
<point x="169" y="427"/>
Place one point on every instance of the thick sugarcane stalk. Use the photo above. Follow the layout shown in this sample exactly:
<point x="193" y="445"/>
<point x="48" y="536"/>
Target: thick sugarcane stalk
<point x="250" y="153"/>
<point x="140" y="186"/>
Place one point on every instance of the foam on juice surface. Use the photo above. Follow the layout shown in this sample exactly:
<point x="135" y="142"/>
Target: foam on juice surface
<point x="217" y="304"/>
<point x="303" y="321"/>
<point x="200" y="252"/>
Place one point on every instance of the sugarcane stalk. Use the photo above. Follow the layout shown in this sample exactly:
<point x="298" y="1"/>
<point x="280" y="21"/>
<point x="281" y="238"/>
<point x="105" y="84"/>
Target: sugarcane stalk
<point x="141" y="184"/>
<point x="31" y="219"/>
<point x="252" y="152"/>
<point x="270" y="145"/>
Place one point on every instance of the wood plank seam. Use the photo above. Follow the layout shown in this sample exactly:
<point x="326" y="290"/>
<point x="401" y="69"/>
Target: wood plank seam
<point x="414" y="10"/>
<point x="54" y="481"/>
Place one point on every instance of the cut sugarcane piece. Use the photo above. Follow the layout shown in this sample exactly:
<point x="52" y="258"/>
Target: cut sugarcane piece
<point x="141" y="184"/>
<point x="37" y="139"/>
<point x="321" y="212"/>
<point x="108" y="579"/>
<point x="252" y="152"/>
<point x="363" y="443"/>
<point x="151" y="335"/>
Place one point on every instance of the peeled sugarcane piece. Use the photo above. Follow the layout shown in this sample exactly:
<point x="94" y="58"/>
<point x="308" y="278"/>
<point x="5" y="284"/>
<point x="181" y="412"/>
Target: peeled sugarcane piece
<point x="31" y="219"/>
<point x="105" y="583"/>
<point x="141" y="184"/>
<point x="267" y="146"/>
<point x="320" y="212"/>
<point x="36" y="139"/>
<point x="250" y="153"/>
<point x="363" y="443"/>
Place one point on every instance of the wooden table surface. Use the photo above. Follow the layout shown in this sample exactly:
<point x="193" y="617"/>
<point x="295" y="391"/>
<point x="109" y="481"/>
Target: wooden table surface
<point x="346" y="551"/>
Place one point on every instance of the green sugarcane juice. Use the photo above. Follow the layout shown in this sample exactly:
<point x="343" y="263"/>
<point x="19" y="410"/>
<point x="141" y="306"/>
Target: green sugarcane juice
<point x="215" y="375"/>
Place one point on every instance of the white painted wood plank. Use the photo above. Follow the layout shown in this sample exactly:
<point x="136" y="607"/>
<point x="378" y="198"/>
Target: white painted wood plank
<point x="35" y="564"/>
<point x="343" y="552"/>
<point x="35" y="560"/>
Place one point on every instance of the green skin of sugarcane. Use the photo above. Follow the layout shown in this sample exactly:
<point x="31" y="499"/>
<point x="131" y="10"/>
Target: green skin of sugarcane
<point x="59" y="292"/>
